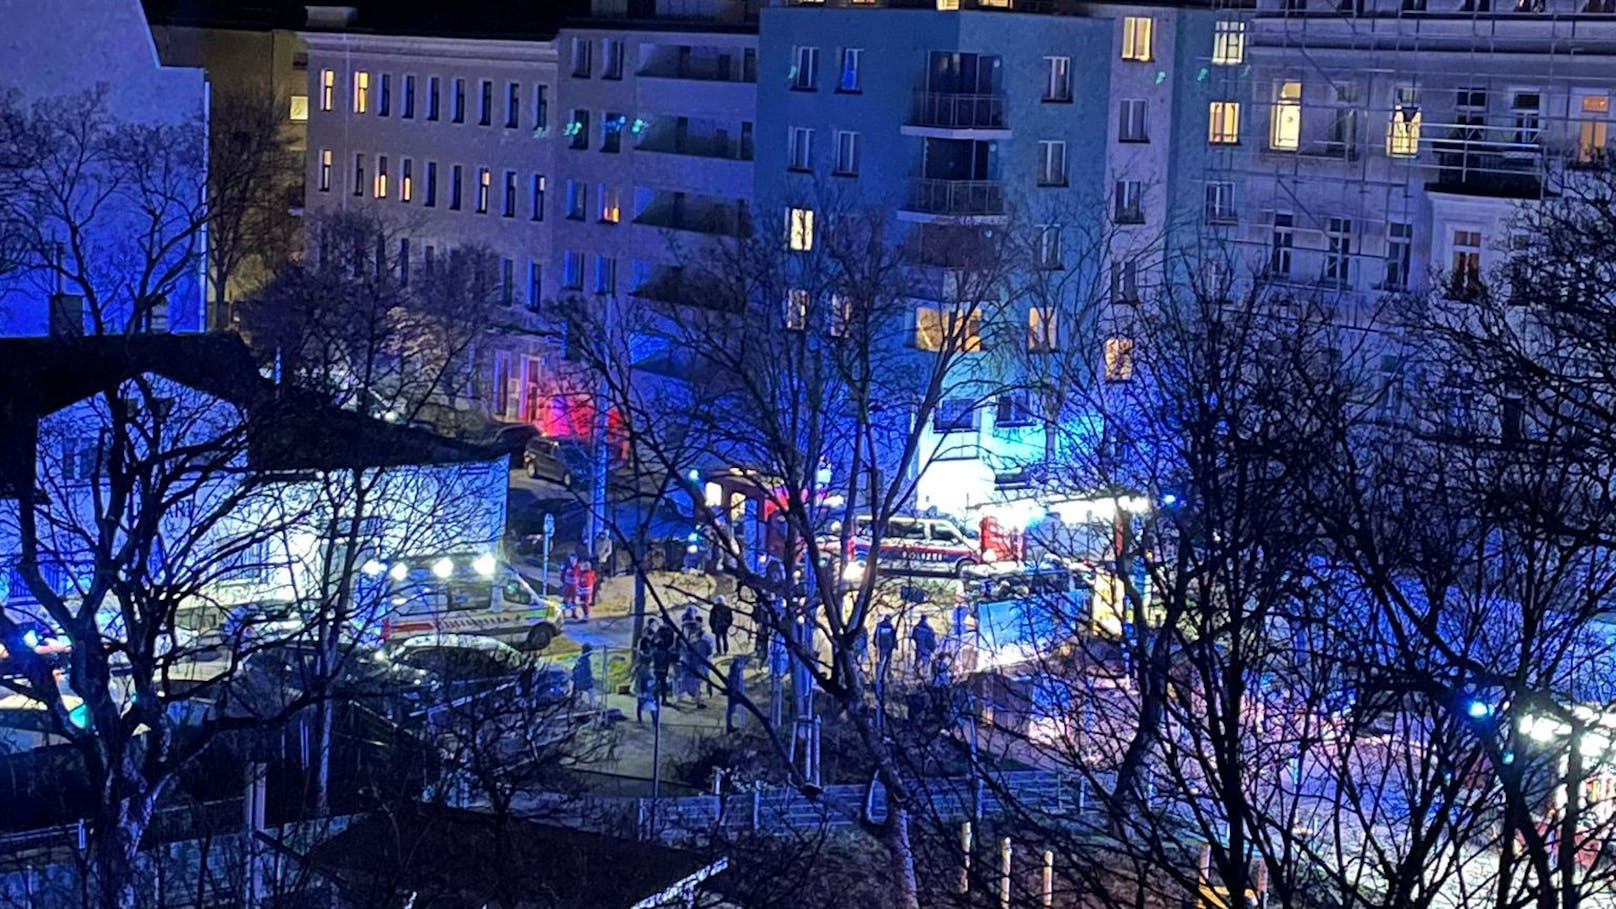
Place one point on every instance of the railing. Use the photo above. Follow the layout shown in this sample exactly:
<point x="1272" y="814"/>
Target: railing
<point x="725" y="148"/>
<point x="721" y="221"/>
<point x="946" y="110"/>
<point x="785" y="809"/>
<point x="956" y="197"/>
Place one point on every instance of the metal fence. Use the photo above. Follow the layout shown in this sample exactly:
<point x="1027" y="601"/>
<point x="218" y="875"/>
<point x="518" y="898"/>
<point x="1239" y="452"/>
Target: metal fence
<point x="783" y="809"/>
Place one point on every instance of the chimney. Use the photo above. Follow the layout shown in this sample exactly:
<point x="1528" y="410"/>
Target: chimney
<point x="66" y="315"/>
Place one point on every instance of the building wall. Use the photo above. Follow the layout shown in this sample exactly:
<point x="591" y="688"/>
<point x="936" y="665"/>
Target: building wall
<point x="264" y="541"/>
<point x="517" y="356"/>
<point x="50" y="52"/>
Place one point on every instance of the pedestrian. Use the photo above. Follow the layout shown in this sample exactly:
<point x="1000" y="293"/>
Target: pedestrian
<point x="569" y="585"/>
<point x="648" y="636"/>
<point x="719" y="620"/>
<point x="583" y="677"/>
<point x="924" y="640"/>
<point x="604" y="552"/>
<point x="886" y="643"/>
<point x="734" y="691"/>
<point x="587" y="581"/>
<point x="645" y="690"/>
<point x="691" y="666"/>
<point x="762" y="625"/>
<point x="690" y="623"/>
<point x="662" y="660"/>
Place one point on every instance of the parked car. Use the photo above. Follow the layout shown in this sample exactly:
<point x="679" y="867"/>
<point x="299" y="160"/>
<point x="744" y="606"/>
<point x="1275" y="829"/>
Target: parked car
<point x="362" y="675"/>
<point x="258" y="622"/>
<point x="548" y="459"/>
<point x="461" y="665"/>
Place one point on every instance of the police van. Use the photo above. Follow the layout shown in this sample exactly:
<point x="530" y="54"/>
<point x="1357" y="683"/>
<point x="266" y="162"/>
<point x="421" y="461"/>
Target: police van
<point x="917" y="545"/>
<point x="460" y="594"/>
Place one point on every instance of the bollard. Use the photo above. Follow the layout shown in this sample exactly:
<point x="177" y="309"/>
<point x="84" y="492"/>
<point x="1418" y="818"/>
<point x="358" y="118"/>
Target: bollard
<point x="965" y="850"/>
<point x="1004" y="873"/>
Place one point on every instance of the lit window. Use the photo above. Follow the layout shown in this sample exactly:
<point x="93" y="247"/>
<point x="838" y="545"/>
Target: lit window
<point x="406" y="181"/>
<point x="938" y="328"/>
<point x="300" y="109"/>
<point x="1118" y="359"/>
<point x="1593" y="130"/>
<point x="1285" y="133"/>
<point x="1229" y="43"/>
<point x="361" y="91"/>
<point x="611" y="209"/>
<point x="328" y="89"/>
<point x="800" y="229"/>
<point x="325" y="170"/>
<point x="485" y="183"/>
<point x="381" y="177"/>
<point x="1223" y="127"/>
<point x="796" y="310"/>
<point x="1403" y="132"/>
<point x="1136" y="37"/>
<point x="1041" y="335"/>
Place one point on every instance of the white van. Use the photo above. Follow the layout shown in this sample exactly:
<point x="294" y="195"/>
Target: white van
<point x="462" y="594"/>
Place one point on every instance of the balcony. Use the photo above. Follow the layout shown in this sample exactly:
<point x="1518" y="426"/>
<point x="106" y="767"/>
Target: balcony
<point x="1472" y="166"/>
<point x="933" y="199"/>
<point x="729" y="148"/>
<point x="950" y="115"/>
<point x="723" y="220"/>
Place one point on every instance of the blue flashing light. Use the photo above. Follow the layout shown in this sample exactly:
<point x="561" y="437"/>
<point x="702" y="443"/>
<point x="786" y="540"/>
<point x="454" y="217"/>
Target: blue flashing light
<point x="30" y="638"/>
<point x="1478" y="710"/>
<point x="80" y="716"/>
<point x="1169" y="499"/>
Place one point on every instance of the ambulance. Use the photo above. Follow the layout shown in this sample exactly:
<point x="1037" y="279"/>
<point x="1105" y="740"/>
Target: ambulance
<point x="459" y="593"/>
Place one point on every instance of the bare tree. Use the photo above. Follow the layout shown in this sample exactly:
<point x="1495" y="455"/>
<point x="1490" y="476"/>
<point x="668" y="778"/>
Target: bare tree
<point x="107" y="211"/>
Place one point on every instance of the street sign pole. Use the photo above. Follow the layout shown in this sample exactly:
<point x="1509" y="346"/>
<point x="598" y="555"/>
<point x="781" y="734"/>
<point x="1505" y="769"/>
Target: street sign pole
<point x="544" y="567"/>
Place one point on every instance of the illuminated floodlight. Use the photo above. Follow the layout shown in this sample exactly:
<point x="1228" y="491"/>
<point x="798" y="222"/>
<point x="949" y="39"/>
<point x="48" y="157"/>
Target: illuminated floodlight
<point x="443" y="567"/>
<point x="399" y="571"/>
<point x="853" y="573"/>
<point x="484" y="565"/>
<point x="372" y="568"/>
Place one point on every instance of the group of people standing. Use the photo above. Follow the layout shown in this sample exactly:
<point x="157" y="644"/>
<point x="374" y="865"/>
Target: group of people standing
<point x="672" y="661"/>
<point x="579" y="584"/>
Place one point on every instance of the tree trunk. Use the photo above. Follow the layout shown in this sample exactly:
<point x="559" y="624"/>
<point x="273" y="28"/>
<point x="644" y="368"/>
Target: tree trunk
<point x="116" y="847"/>
<point x="895" y="837"/>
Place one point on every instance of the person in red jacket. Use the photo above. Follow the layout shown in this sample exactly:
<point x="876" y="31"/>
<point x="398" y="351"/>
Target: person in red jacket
<point x="569" y="586"/>
<point x="587" y="581"/>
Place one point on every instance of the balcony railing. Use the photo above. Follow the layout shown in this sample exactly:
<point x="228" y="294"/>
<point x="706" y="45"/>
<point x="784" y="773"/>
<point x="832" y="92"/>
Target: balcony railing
<point x="717" y="220"/>
<point x="944" y="110"/>
<point x="956" y="197"/>
<point x="726" y="147"/>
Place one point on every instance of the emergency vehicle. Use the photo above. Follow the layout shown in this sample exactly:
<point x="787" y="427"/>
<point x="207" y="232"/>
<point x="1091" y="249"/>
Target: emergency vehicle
<point x="461" y="594"/>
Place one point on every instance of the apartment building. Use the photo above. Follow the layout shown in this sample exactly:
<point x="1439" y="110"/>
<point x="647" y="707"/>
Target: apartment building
<point x="1387" y="146"/>
<point x="251" y="55"/>
<point x="43" y="50"/>
<point x="655" y="156"/>
<point x="449" y="142"/>
<point x="1065" y="129"/>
